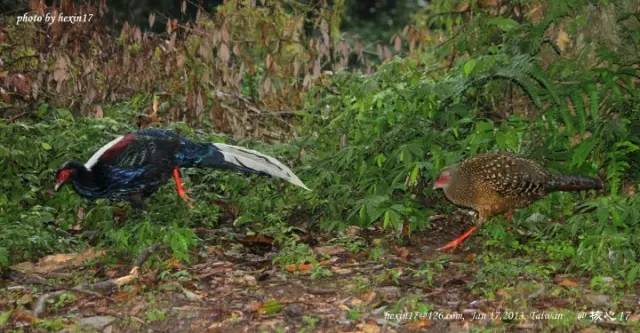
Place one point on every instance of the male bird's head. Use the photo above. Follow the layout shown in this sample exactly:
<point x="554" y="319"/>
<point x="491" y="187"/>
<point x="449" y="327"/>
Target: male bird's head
<point x="444" y="179"/>
<point x="67" y="172"/>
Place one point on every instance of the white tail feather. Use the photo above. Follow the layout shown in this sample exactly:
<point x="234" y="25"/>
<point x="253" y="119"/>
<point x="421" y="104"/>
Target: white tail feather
<point x="96" y="156"/>
<point x="258" y="162"/>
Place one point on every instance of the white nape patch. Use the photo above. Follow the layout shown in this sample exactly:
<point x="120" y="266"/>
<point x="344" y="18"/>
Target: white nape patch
<point x="96" y="156"/>
<point x="259" y="162"/>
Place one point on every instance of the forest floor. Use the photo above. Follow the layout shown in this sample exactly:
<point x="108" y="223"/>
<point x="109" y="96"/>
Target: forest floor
<point x="232" y="285"/>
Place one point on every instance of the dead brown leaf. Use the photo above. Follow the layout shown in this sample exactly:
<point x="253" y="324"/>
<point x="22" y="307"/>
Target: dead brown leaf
<point x="57" y="262"/>
<point x="369" y="296"/>
<point x="353" y="231"/>
<point x="254" y="306"/>
<point x="536" y="13"/>
<point x="329" y="250"/>
<point x="303" y="268"/>
<point x="487" y="3"/>
<point x="341" y="271"/>
<point x="23" y="316"/>
<point x="401" y="251"/>
<point x="417" y="325"/>
<point x="291" y="268"/>
<point x="224" y="53"/>
<point x="567" y="282"/>
<point x="563" y="40"/>
<point x="98" y="112"/>
<point x="369" y="328"/>
<point x="256" y="240"/>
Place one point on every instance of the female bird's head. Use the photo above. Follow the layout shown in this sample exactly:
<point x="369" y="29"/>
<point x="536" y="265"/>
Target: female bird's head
<point x="444" y="179"/>
<point x="67" y="172"/>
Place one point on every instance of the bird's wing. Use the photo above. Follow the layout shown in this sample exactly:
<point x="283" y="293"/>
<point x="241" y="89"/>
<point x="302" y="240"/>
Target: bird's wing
<point x="135" y="150"/>
<point x="511" y="175"/>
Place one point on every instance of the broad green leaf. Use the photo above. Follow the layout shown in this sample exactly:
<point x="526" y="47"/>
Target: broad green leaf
<point x="469" y="66"/>
<point x="504" y="24"/>
<point x="4" y="317"/>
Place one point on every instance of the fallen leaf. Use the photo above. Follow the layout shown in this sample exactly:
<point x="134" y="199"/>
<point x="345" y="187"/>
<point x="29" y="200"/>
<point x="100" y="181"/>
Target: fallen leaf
<point x="97" y="322"/>
<point x="341" y="271"/>
<point x="597" y="299"/>
<point x="223" y="53"/>
<point x="566" y="282"/>
<point x="256" y="240"/>
<point x="503" y="293"/>
<point x="249" y="280"/>
<point x="562" y="40"/>
<point x="191" y="296"/>
<point x="329" y="250"/>
<point x="98" y="112"/>
<point x="25" y="299"/>
<point x="536" y="13"/>
<point x="23" y="316"/>
<point x="215" y="250"/>
<point x="123" y="296"/>
<point x="402" y="252"/>
<point x="487" y="3"/>
<point x="352" y="230"/>
<point x="254" y="306"/>
<point x="60" y="72"/>
<point x="369" y="328"/>
<point x="291" y="268"/>
<point x="416" y="325"/>
<point x="591" y="329"/>
<point x="304" y="267"/>
<point x="56" y="262"/>
<point x="355" y="302"/>
<point x="369" y="296"/>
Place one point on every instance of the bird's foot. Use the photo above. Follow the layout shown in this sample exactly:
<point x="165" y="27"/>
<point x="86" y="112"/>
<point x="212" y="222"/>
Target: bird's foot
<point x="180" y="188"/>
<point x="454" y="243"/>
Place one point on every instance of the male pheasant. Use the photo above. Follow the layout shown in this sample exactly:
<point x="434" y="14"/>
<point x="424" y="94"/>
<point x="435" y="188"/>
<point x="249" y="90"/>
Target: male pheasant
<point x="133" y="166"/>
<point x="496" y="183"/>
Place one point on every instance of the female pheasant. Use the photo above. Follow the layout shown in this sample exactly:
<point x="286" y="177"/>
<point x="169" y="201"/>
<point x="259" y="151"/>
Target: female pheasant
<point x="496" y="183"/>
<point x="133" y="166"/>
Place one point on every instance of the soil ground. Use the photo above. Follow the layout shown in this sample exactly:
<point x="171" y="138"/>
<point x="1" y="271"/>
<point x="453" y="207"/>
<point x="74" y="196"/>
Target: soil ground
<point x="232" y="285"/>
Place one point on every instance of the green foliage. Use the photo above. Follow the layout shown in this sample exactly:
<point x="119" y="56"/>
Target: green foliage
<point x="155" y="315"/>
<point x="35" y="221"/>
<point x="372" y="143"/>
<point x="294" y="253"/>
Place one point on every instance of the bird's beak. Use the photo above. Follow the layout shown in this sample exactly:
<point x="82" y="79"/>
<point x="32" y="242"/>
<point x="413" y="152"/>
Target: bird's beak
<point x="57" y="186"/>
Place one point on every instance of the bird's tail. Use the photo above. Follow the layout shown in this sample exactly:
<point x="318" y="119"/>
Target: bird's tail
<point x="220" y="155"/>
<point x="574" y="183"/>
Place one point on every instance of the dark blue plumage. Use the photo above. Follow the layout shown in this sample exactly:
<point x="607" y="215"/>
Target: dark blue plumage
<point x="135" y="165"/>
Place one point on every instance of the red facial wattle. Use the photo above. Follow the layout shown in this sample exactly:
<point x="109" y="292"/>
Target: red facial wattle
<point x="442" y="180"/>
<point x="62" y="177"/>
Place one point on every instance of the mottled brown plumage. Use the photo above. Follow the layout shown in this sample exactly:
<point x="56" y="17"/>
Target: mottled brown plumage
<point x="496" y="183"/>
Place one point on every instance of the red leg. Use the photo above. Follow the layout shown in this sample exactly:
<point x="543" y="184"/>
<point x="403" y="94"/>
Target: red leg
<point x="179" y="187"/>
<point x="454" y="243"/>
